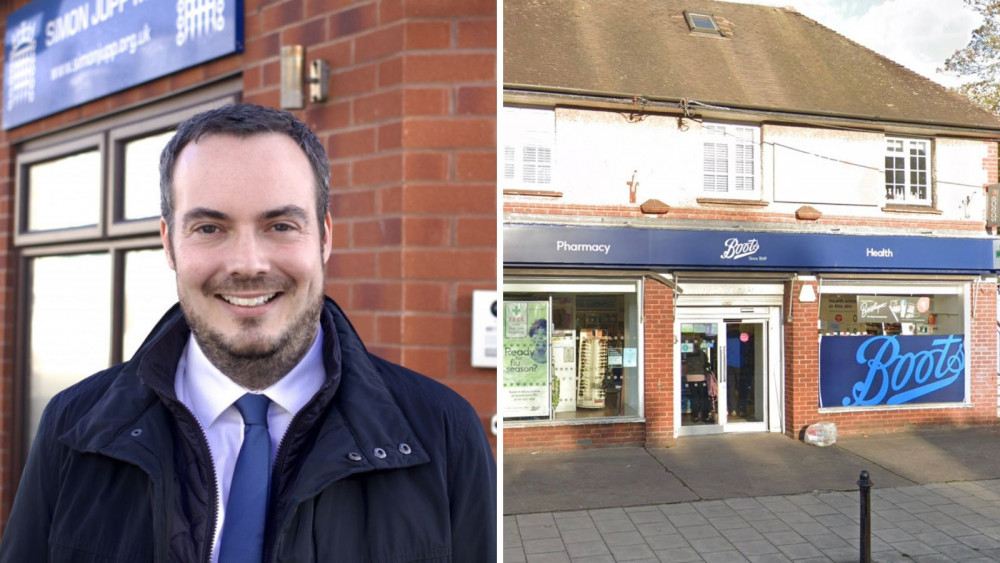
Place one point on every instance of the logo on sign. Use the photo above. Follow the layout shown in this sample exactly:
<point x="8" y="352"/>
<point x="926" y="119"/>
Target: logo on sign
<point x="736" y="249"/>
<point x="896" y="378"/>
<point x="21" y="66"/>
<point x="199" y="18"/>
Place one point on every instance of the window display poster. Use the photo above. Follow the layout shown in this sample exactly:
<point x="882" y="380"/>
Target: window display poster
<point x="893" y="308"/>
<point x="526" y="358"/>
<point x="870" y="371"/>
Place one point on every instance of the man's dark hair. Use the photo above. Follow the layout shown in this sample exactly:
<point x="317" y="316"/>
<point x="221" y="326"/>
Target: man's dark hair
<point x="245" y="120"/>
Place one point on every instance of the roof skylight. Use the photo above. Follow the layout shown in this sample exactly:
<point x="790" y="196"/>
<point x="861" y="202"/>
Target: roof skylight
<point x="703" y="23"/>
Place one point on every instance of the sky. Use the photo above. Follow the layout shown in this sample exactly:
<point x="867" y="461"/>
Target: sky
<point x="918" y="34"/>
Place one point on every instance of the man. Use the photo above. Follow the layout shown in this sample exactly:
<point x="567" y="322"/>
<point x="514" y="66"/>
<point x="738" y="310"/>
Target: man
<point x="144" y="461"/>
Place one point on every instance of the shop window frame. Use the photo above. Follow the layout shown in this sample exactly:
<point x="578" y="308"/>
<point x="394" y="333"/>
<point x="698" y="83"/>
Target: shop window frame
<point x="112" y="234"/>
<point x="615" y="286"/>
<point x="961" y="288"/>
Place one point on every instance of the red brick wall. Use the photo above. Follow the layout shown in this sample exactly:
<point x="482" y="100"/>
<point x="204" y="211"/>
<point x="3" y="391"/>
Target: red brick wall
<point x="8" y="336"/>
<point x="801" y="359"/>
<point x="658" y="366"/>
<point x="733" y="214"/>
<point x="410" y="129"/>
<point x="991" y="163"/>
<point x="573" y="437"/>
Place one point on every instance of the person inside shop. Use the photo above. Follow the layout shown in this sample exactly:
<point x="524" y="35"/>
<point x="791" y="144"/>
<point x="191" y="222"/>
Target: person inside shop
<point x="733" y="365"/>
<point x="539" y="335"/>
<point x="253" y="424"/>
<point x="696" y="374"/>
<point x="745" y="387"/>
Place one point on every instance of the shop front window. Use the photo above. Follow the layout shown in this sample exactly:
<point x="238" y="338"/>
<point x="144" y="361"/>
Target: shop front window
<point x="892" y="347"/>
<point x="570" y="355"/>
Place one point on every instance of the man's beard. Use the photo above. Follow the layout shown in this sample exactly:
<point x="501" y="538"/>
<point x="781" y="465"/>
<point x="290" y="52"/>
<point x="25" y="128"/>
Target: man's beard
<point x="249" y="358"/>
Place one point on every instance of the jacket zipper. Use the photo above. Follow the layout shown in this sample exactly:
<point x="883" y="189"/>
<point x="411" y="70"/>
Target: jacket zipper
<point x="215" y="481"/>
<point x="279" y="461"/>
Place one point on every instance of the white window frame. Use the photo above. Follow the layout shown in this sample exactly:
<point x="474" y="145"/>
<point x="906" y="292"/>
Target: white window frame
<point x="553" y="286"/>
<point x="910" y="154"/>
<point x="529" y="148"/>
<point x="730" y="160"/>
<point x="963" y="289"/>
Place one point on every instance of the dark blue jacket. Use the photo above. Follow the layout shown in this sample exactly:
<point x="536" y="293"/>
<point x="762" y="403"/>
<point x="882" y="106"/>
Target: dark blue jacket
<point x="383" y="464"/>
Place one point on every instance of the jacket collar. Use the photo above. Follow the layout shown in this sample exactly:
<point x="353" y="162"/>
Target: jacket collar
<point x="364" y="428"/>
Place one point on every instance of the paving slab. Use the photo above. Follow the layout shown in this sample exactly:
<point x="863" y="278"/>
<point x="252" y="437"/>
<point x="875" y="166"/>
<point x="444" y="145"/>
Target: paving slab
<point x="750" y="465"/>
<point x="743" y="465"/>
<point x="932" y="456"/>
<point x="587" y="479"/>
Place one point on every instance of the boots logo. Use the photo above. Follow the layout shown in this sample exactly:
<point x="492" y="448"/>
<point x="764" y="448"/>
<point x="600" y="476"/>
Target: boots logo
<point x="736" y="249"/>
<point x="896" y="376"/>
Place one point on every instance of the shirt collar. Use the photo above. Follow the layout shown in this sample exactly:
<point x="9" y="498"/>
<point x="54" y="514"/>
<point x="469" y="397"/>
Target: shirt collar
<point x="208" y="392"/>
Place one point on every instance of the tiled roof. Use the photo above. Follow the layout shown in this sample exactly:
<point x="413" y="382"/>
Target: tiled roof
<point x="767" y="57"/>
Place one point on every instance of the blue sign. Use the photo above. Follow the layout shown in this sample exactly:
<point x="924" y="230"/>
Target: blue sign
<point x="868" y="371"/>
<point x="620" y="247"/>
<point x="62" y="53"/>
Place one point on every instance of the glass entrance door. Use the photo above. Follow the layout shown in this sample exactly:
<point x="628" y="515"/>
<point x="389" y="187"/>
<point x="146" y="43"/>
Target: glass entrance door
<point x="700" y="345"/>
<point x="745" y="363"/>
<point x="723" y="376"/>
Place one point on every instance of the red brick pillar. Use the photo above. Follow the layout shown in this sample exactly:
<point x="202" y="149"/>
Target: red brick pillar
<point x="982" y="360"/>
<point x="658" y="346"/>
<point x="801" y="359"/>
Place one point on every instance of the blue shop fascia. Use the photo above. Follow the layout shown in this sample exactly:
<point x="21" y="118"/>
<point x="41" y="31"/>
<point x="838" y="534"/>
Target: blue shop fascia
<point x="894" y="316"/>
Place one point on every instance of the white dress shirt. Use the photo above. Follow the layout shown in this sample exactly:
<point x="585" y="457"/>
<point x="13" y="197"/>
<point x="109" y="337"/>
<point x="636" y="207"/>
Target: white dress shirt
<point x="210" y="395"/>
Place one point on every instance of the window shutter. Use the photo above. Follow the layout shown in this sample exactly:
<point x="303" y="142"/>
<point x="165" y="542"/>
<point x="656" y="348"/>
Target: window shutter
<point x="716" y="167"/>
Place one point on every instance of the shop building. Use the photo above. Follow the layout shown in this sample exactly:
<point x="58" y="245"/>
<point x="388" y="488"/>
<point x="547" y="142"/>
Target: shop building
<point x="402" y="93"/>
<point x="722" y="217"/>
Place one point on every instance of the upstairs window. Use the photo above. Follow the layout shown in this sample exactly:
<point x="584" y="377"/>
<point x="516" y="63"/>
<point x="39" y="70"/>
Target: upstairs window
<point x="528" y="148"/>
<point x="729" y="160"/>
<point x="906" y="171"/>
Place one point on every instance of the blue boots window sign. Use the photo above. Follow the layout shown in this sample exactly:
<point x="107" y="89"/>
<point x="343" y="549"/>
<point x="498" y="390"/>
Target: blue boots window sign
<point x="871" y="371"/>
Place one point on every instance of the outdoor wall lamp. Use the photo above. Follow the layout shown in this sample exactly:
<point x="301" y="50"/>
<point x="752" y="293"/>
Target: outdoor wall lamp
<point x="807" y="294"/>
<point x="292" y="78"/>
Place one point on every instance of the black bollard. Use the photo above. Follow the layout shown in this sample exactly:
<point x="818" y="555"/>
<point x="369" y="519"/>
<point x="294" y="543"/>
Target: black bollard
<point x="865" y="487"/>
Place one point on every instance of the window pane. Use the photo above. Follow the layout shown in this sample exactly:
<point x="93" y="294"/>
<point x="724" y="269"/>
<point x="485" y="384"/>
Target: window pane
<point x="150" y="290"/>
<point x="142" y="176"/>
<point x="508" y="162"/>
<point x="65" y="192"/>
<point x="716" y="167"/>
<point x="70" y="325"/>
<point x="529" y="148"/>
<point x="744" y="167"/>
<point x="592" y="340"/>
<point x="536" y="163"/>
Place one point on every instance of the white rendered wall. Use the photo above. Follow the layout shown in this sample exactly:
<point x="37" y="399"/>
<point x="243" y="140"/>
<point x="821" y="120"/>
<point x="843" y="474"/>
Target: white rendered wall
<point x="838" y="172"/>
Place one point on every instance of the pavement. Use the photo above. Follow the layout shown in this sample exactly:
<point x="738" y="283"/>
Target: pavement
<point x="758" y="498"/>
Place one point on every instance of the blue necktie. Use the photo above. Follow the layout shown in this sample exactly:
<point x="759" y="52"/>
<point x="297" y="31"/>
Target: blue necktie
<point x="243" y="530"/>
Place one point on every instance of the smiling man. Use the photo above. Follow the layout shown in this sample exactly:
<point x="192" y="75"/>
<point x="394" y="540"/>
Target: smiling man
<point x="252" y="424"/>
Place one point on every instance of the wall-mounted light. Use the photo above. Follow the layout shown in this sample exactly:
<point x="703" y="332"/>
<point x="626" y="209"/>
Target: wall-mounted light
<point x="319" y="80"/>
<point x="807" y="294"/>
<point x="293" y="81"/>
